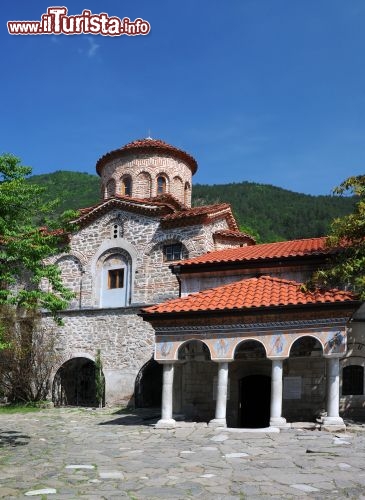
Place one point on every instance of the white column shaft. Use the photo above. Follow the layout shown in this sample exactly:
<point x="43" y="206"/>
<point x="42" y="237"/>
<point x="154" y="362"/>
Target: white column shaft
<point x="277" y="394"/>
<point x="333" y="387"/>
<point x="222" y="385"/>
<point x="167" y="391"/>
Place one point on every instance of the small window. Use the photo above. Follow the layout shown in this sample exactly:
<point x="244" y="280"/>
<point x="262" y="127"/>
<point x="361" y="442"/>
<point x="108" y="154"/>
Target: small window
<point x="116" y="278"/>
<point x="172" y="252"/>
<point x="161" y="185"/>
<point x="353" y="380"/>
<point x="127" y="186"/>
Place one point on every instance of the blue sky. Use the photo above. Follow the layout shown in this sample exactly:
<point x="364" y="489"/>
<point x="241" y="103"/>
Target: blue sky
<point x="259" y="90"/>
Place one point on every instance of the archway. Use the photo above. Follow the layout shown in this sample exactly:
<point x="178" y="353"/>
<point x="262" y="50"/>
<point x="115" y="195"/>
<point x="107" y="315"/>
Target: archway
<point x="194" y="382"/>
<point x="254" y="384"/>
<point x="255" y="392"/>
<point x="74" y="384"/>
<point x="148" y="385"/>
<point x="304" y="381"/>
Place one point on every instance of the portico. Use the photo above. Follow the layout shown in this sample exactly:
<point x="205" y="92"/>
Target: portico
<point x="249" y="362"/>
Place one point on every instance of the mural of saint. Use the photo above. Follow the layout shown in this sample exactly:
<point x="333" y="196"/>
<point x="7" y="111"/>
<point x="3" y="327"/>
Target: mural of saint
<point x="221" y="347"/>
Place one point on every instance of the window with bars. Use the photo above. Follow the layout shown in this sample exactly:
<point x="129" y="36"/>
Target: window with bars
<point x="161" y="185"/>
<point x="116" y="278"/>
<point x="172" y="252"/>
<point x="353" y="380"/>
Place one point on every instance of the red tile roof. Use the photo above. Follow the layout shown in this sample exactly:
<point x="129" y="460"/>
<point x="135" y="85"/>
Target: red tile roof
<point x="147" y="146"/>
<point x="228" y="234"/>
<point x="149" y="206"/>
<point x="282" y="249"/>
<point x="201" y="215"/>
<point x="172" y="213"/>
<point x="265" y="291"/>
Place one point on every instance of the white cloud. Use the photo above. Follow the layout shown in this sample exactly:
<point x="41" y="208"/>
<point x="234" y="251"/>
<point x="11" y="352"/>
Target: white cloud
<point x="93" y="46"/>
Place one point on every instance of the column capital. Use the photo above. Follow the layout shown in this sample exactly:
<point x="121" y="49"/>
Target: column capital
<point x="277" y="358"/>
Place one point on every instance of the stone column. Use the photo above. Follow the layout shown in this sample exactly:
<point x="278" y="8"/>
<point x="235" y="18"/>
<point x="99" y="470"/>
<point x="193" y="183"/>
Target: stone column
<point x="166" y="420"/>
<point x="221" y="401"/>
<point x="333" y="393"/>
<point x="276" y="419"/>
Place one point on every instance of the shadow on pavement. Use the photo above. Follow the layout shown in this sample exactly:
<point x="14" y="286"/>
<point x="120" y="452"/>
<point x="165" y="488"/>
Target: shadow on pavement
<point x="13" y="438"/>
<point x="138" y="416"/>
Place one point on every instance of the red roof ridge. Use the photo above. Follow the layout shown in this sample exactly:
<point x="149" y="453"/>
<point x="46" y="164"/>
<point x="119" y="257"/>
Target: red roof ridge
<point x="144" y="146"/>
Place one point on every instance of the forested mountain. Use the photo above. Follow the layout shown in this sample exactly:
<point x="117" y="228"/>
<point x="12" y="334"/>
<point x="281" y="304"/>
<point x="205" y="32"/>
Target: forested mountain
<point x="269" y="213"/>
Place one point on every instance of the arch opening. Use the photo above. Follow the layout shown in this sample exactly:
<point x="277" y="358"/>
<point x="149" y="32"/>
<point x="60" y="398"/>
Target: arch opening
<point x="161" y="185"/>
<point x="148" y="385"/>
<point x="305" y="347"/>
<point x="75" y="384"/>
<point x="194" y="350"/>
<point x="126" y="185"/>
<point x="250" y="349"/>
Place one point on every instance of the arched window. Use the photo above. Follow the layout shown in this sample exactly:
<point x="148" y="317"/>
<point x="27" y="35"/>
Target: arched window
<point x="353" y="380"/>
<point x="115" y="281"/>
<point x="126" y="186"/>
<point x="161" y="185"/>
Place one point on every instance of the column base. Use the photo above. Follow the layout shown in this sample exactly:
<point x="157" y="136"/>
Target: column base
<point x="218" y="422"/>
<point x="165" y="424"/>
<point x="335" y="424"/>
<point x="279" y="422"/>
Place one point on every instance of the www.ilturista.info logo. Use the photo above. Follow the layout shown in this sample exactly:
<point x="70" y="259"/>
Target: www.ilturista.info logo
<point x="57" y="22"/>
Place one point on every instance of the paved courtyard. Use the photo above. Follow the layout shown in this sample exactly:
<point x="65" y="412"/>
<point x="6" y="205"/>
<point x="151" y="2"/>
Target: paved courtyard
<point x="100" y="454"/>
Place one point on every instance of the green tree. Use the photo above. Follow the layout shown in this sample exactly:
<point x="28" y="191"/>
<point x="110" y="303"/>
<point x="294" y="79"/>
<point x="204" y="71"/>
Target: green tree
<point x="24" y="247"/>
<point x="347" y="267"/>
<point x="99" y="379"/>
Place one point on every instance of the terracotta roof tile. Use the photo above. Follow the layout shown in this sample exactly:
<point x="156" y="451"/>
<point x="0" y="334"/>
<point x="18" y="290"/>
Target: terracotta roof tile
<point x="172" y="213"/>
<point x="201" y="215"/>
<point x="147" y="145"/>
<point x="265" y="291"/>
<point x="282" y="249"/>
<point x="235" y="235"/>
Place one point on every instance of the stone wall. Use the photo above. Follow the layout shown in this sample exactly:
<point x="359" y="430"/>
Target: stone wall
<point x="126" y="343"/>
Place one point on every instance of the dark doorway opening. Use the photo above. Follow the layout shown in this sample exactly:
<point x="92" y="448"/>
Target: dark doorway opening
<point x="255" y="392"/>
<point x="74" y="384"/>
<point x="148" y="385"/>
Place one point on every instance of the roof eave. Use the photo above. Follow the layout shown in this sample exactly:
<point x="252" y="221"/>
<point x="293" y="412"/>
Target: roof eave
<point x="251" y="311"/>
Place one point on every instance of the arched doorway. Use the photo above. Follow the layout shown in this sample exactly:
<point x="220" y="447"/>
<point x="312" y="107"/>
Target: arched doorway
<point x="254" y="388"/>
<point x="148" y="385"/>
<point x="74" y="384"/>
<point x="255" y="392"/>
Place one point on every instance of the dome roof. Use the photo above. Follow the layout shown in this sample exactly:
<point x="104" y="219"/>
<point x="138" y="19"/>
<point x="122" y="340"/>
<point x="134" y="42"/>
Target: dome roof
<point x="145" y="146"/>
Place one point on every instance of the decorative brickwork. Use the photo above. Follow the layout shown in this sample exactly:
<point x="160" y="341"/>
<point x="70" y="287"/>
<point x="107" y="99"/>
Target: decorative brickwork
<point x="144" y="171"/>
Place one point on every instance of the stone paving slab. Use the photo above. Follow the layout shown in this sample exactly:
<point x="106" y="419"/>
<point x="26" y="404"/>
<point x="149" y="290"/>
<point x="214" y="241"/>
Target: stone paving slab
<point x="75" y="453"/>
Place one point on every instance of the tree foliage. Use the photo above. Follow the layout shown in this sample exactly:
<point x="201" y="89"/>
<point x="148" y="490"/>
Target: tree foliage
<point x="27" y="356"/>
<point x="24" y="247"/>
<point x="99" y="379"/>
<point x="275" y="214"/>
<point x="347" y="268"/>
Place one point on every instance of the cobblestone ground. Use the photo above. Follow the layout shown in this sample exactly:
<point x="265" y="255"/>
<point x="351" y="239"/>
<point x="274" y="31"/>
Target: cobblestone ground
<point x="98" y="454"/>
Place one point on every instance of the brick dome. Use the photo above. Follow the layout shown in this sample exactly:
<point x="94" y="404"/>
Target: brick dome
<point x="146" y="168"/>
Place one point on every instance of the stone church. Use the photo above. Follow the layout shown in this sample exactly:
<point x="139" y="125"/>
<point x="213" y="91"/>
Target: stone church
<point x="183" y="306"/>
